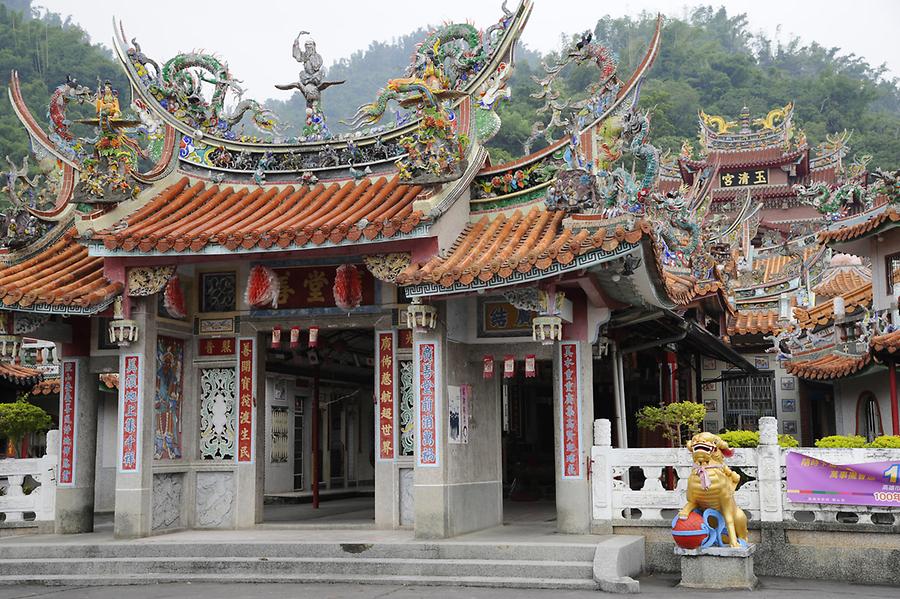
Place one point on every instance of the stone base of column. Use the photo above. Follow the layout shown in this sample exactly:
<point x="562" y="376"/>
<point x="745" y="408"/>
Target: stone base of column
<point x="74" y="510"/>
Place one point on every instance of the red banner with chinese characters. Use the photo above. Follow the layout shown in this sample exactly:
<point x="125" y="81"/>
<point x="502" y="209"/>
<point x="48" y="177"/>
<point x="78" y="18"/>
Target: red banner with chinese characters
<point x="216" y="347"/>
<point x="245" y="401"/>
<point x="67" y="395"/>
<point x="487" y="370"/>
<point x="386" y="394"/>
<point x="130" y="411"/>
<point x="571" y="410"/>
<point x="428" y="401"/>
<point x="313" y="287"/>
<point x="404" y="339"/>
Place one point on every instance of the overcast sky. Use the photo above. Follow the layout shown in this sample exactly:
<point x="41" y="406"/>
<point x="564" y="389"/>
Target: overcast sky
<point x="255" y="36"/>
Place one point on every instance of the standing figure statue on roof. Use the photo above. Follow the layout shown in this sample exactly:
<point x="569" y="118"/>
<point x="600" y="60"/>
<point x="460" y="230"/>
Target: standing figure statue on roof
<point x="311" y="83"/>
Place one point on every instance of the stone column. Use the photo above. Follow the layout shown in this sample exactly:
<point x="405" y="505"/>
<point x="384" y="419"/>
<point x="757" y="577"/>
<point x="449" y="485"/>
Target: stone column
<point x="601" y="477"/>
<point x="134" y="426"/>
<point x="78" y="445"/>
<point x="387" y="437"/>
<point x="573" y="415"/>
<point x="768" y="473"/>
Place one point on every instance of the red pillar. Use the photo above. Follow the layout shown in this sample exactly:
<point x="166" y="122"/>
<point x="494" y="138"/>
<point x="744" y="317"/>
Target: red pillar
<point x="895" y="412"/>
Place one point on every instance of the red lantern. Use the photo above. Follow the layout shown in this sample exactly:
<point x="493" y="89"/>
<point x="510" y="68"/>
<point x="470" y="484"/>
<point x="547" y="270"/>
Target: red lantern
<point x="262" y="287"/>
<point x="488" y="371"/>
<point x="530" y="367"/>
<point x="509" y="367"/>
<point x="173" y="299"/>
<point x="347" y="287"/>
<point x="295" y="337"/>
<point x="690" y="532"/>
<point x="276" y="337"/>
<point x="313" y="337"/>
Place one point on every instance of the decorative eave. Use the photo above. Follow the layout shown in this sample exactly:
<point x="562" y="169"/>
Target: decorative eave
<point x="827" y="364"/>
<point x="888" y="342"/>
<point x="822" y="314"/>
<point x="21" y="376"/>
<point x="505" y="251"/>
<point x="864" y="224"/>
<point x="46" y="387"/>
<point x="753" y="322"/>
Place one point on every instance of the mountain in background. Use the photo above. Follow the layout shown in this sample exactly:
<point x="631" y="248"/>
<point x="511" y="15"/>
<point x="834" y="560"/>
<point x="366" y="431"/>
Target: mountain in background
<point x="709" y="60"/>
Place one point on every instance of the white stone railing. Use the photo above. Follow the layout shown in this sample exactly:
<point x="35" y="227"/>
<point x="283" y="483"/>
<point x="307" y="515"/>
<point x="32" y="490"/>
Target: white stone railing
<point x="620" y="499"/>
<point x="15" y="505"/>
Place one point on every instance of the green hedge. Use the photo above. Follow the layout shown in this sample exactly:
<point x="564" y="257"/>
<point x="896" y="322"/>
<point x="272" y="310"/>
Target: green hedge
<point x="886" y="442"/>
<point x="846" y="441"/>
<point x="751" y="439"/>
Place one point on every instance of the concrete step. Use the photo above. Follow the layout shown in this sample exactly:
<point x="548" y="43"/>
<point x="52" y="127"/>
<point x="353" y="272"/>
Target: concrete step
<point x="264" y="567"/>
<point x="473" y="581"/>
<point x="566" y="552"/>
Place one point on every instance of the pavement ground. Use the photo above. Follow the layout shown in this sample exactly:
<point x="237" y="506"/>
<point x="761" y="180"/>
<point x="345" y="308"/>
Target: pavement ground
<point x="652" y="587"/>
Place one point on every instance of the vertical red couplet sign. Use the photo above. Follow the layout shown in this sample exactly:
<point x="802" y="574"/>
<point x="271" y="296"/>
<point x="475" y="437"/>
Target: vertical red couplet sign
<point x="67" y="423"/>
<point x="130" y="414"/>
<point x="428" y="432"/>
<point x="245" y="401"/>
<point x="385" y="386"/>
<point x="570" y="405"/>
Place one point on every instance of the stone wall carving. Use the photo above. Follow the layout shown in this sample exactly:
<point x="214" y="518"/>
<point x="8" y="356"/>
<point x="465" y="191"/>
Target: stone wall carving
<point x="217" y="404"/>
<point x="168" y="490"/>
<point x="215" y="500"/>
<point x="407" y="498"/>
<point x="407" y="409"/>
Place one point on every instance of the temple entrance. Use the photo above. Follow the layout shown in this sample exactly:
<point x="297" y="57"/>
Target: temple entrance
<point x="529" y="483"/>
<point x="319" y="446"/>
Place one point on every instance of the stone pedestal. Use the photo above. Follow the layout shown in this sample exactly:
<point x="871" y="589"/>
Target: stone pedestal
<point x="717" y="568"/>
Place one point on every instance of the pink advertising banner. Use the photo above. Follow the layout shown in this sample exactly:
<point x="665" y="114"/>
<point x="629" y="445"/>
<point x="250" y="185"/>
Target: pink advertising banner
<point x="810" y="480"/>
<point x="67" y="422"/>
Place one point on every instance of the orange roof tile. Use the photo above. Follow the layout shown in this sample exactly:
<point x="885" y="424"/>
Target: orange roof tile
<point x="46" y="387"/>
<point x="752" y="322"/>
<point x="889" y="342"/>
<point x="683" y="289"/>
<point x="189" y="217"/>
<point x="824" y="313"/>
<point x="842" y="282"/>
<point x="61" y="278"/>
<point x="876" y="219"/>
<point x="828" y="366"/>
<point x="493" y="250"/>
<point x="20" y="375"/>
<point x="110" y="380"/>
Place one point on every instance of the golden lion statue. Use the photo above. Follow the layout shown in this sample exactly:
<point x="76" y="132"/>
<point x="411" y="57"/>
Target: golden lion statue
<point x="712" y="484"/>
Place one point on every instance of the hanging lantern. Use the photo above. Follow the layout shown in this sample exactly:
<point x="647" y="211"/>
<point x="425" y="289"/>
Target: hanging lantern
<point x="262" y="287"/>
<point x="488" y="371"/>
<point x="530" y="367"/>
<point x="295" y="337"/>
<point x="173" y="299"/>
<point x="347" y="287"/>
<point x="313" y="337"/>
<point x="276" y="337"/>
<point x="509" y="367"/>
<point x="122" y="331"/>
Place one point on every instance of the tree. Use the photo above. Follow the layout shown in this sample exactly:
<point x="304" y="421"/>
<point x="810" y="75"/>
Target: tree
<point x="678" y="421"/>
<point x="19" y="418"/>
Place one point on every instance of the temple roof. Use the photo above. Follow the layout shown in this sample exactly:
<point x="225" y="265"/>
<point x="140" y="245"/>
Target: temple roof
<point x="19" y="375"/>
<point x="60" y="279"/>
<point x="752" y="322"/>
<point x="197" y="217"/>
<point x="46" y="387"/>
<point x="828" y="366"/>
<point x="845" y="274"/>
<point x="511" y="249"/>
<point x="889" y="342"/>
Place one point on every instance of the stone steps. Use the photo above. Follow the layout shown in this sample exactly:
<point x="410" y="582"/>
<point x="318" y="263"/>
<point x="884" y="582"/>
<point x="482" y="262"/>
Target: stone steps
<point x="484" y="564"/>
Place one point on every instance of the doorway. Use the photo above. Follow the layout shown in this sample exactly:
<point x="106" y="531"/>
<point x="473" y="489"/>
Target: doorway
<point x="319" y="454"/>
<point x="529" y="479"/>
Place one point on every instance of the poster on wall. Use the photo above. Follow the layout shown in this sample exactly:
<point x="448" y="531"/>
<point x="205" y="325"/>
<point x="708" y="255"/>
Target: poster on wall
<point x="428" y="406"/>
<point x="571" y="411"/>
<point x="454" y="408"/>
<point x="68" y="422"/>
<point x="811" y="480"/>
<point x="167" y="403"/>
<point x="465" y="402"/>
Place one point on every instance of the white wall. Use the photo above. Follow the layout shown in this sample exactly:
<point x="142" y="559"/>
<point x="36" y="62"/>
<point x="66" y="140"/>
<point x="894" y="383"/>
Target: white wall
<point x="847" y="392"/>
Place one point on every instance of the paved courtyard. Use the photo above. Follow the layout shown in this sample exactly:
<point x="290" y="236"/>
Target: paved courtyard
<point x="652" y="587"/>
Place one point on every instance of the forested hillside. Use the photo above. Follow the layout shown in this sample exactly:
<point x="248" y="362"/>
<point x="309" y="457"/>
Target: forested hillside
<point x="710" y="60"/>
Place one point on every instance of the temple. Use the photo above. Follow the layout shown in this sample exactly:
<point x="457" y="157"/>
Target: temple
<point x="229" y="315"/>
